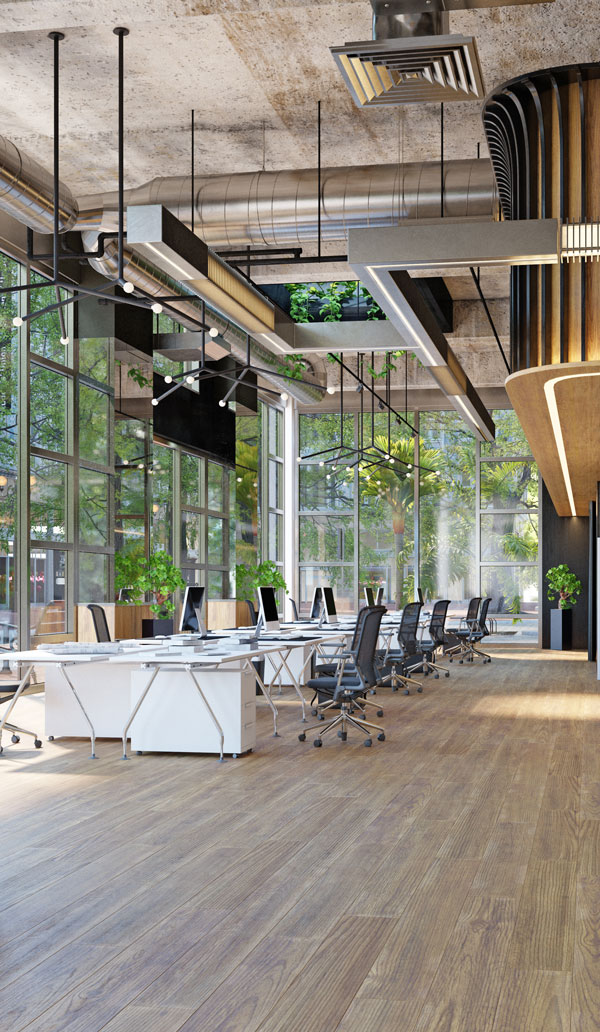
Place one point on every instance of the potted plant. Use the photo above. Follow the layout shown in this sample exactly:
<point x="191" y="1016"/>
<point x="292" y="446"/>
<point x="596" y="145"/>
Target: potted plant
<point x="156" y="575"/>
<point x="248" y="578"/>
<point x="566" y="586"/>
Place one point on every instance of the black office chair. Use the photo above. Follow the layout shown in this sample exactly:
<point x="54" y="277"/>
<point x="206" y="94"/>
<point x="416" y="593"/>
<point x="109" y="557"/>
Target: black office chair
<point x="350" y="689"/>
<point x="8" y="694"/>
<point x="295" y="616"/>
<point x="396" y="665"/>
<point x="437" y="638"/>
<point x="251" y="613"/>
<point x="474" y="633"/>
<point x="457" y="637"/>
<point x="100" y="624"/>
<point x="331" y="667"/>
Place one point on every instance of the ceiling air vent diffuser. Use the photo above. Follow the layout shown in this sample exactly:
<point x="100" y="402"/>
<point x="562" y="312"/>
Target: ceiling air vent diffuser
<point x="413" y="70"/>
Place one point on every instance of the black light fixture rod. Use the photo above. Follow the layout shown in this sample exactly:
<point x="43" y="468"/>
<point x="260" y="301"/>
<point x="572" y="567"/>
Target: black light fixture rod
<point x="386" y="404"/>
<point x="489" y="317"/>
<point x="314" y="260"/>
<point x="61" y="315"/>
<point x="319" y="178"/>
<point x="442" y="159"/>
<point x="56" y="38"/>
<point x="193" y="172"/>
<point x="203" y="346"/>
<point x="121" y="33"/>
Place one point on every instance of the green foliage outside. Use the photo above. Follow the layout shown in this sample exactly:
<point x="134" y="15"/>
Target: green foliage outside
<point x="564" y="585"/>
<point x="156" y="575"/>
<point x="248" y="578"/>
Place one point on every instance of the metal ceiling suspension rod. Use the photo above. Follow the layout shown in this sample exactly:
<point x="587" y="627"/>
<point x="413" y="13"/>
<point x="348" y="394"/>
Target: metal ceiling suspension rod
<point x="477" y="283"/>
<point x="56" y="38"/>
<point x="121" y="32"/>
<point x="386" y="404"/>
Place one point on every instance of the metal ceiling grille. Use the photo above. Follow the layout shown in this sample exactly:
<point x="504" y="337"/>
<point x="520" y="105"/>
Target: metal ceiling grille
<point x="411" y="71"/>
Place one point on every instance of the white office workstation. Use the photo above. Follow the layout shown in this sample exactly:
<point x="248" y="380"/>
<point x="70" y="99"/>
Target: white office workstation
<point x="191" y="692"/>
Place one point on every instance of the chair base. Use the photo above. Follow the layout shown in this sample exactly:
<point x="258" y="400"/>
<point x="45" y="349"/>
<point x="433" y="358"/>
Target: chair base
<point x="342" y="721"/>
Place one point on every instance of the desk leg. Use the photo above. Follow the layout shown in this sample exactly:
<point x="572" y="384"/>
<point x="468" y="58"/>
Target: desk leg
<point x="63" y="671"/>
<point x="13" y="701"/>
<point x="284" y="659"/>
<point x="265" y="691"/>
<point x="210" y="712"/>
<point x="135" y="710"/>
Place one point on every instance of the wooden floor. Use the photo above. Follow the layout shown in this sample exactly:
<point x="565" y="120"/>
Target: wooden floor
<point x="446" y="879"/>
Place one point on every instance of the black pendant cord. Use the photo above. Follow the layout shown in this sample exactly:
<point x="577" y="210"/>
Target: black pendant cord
<point x="203" y="347"/>
<point x="193" y="174"/>
<point x="372" y="399"/>
<point x="406" y="386"/>
<point x="319" y="178"/>
<point x="442" y="159"/>
<point x="56" y="37"/>
<point x="388" y="398"/>
<point x="121" y="33"/>
<point x="477" y="283"/>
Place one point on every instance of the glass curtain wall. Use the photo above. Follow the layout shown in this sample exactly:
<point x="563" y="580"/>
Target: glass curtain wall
<point x="466" y="525"/>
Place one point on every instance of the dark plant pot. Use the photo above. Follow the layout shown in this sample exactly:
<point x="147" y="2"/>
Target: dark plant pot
<point x="152" y="628"/>
<point x="561" y="629"/>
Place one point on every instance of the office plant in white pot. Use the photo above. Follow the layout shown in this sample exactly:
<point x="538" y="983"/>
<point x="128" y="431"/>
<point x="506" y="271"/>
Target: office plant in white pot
<point x="566" y="586"/>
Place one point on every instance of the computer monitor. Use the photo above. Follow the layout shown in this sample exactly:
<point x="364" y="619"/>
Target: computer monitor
<point x="420" y="596"/>
<point x="329" y="603"/>
<point x="317" y="604"/>
<point x="191" y="613"/>
<point x="268" y="615"/>
<point x="369" y="596"/>
<point x="379" y="599"/>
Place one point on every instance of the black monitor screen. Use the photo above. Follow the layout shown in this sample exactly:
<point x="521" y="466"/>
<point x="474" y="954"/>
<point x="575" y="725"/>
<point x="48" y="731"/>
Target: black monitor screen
<point x="329" y="601"/>
<point x="317" y="602"/>
<point x="269" y="604"/>
<point x="192" y="608"/>
<point x="369" y="596"/>
<point x="379" y="599"/>
<point x="420" y="596"/>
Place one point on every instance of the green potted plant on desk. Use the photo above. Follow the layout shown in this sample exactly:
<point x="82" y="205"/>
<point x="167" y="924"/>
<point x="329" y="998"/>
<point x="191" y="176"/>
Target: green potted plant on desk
<point x="157" y="576"/>
<point x="564" y="585"/>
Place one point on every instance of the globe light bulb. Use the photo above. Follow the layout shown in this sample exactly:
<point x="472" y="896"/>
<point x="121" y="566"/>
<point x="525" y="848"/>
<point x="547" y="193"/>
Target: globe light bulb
<point x="239" y="480"/>
<point x="408" y="465"/>
<point x="222" y="403"/>
<point x="378" y="483"/>
<point x="299" y="458"/>
<point x="334" y="468"/>
<point x="392" y="460"/>
<point x="256" y="483"/>
<point x="128" y="287"/>
<point x="283" y="396"/>
<point x="156" y="308"/>
<point x="331" y="390"/>
<point x="348" y="469"/>
<point x="328" y="477"/>
<point x="155" y="401"/>
<point x="168" y="379"/>
<point x="17" y="321"/>
<point x="321" y="463"/>
<point x="189" y="379"/>
<point x="141" y="465"/>
<point x="65" y="341"/>
<point x="125" y="462"/>
<point x="213" y="332"/>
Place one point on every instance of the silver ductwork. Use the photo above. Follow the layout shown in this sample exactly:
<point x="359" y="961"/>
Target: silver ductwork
<point x="405" y="26"/>
<point x="272" y="209"/>
<point x="147" y="277"/>
<point x="26" y="192"/>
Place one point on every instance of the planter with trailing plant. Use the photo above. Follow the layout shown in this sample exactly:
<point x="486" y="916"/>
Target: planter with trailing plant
<point x="565" y="586"/>
<point x="158" y="576"/>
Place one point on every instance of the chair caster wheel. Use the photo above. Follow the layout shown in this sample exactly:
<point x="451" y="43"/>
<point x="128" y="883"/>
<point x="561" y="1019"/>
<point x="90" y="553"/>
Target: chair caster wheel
<point x="313" y="712"/>
<point x="367" y="742"/>
<point x="406" y="692"/>
<point x="435" y="677"/>
<point x="344" y="736"/>
<point x="15" y="740"/>
<point x="420" y="688"/>
<point x="37" y="743"/>
<point x="379" y="712"/>
<point x="302" y="737"/>
<point x="50" y="738"/>
<point x="317" y="743"/>
<point x="394" y="689"/>
<point x="447" y="674"/>
<point x="234" y="756"/>
<point x="381" y="737"/>
<point x="460" y="661"/>
<point x="321" y="716"/>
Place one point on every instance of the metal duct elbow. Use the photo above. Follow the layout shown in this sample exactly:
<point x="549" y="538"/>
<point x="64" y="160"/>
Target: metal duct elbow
<point x="273" y="209"/>
<point x="152" y="280"/>
<point x="27" y="192"/>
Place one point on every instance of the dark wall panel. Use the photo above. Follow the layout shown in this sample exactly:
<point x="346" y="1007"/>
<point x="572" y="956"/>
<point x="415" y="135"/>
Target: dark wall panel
<point x="196" y="420"/>
<point x="565" y="540"/>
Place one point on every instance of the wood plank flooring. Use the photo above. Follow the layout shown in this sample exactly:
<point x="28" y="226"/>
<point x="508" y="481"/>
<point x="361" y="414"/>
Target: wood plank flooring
<point x="445" y="880"/>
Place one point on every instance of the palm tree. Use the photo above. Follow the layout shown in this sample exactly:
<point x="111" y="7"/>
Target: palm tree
<point x="393" y="485"/>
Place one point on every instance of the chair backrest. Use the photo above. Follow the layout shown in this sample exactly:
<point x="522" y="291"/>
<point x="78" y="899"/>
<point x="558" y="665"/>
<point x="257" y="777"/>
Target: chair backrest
<point x="100" y="623"/>
<point x="485" y="605"/>
<point x="409" y="625"/>
<point x="294" y="609"/>
<point x="251" y="612"/>
<point x="437" y="623"/>
<point x="472" y="610"/>
<point x="358" y="626"/>
<point x="367" y="643"/>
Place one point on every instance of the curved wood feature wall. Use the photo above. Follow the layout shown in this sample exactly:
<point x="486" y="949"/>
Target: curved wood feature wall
<point x="543" y="132"/>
